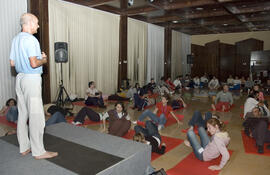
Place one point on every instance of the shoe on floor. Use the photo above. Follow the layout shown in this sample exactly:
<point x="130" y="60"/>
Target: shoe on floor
<point x="76" y="123"/>
<point x="160" y="127"/>
<point x="260" y="149"/>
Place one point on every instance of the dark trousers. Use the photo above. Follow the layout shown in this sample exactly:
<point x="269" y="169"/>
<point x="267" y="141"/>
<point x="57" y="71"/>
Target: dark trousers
<point x="119" y="127"/>
<point x="57" y="117"/>
<point x="94" y="101"/>
<point x="139" y="102"/>
<point x="261" y="133"/>
<point x="198" y="120"/>
<point x="149" y="130"/>
<point x="85" y="111"/>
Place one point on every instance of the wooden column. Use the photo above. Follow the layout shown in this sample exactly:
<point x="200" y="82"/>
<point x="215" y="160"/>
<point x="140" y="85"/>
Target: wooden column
<point x="40" y="9"/>
<point x="167" y="52"/>
<point x="122" y="70"/>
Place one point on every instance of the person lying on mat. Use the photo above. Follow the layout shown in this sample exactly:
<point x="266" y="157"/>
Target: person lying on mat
<point x="90" y="113"/>
<point x="210" y="149"/>
<point x="252" y="102"/>
<point x="94" y="96"/>
<point x="178" y="102"/>
<point x="170" y="84"/>
<point x="10" y="110"/>
<point x="149" y="135"/>
<point x="161" y="113"/>
<point x="200" y="121"/>
<point x="119" y="120"/>
<point x="261" y="95"/>
<point x="141" y="102"/>
<point x="256" y="126"/>
<point x="225" y="100"/>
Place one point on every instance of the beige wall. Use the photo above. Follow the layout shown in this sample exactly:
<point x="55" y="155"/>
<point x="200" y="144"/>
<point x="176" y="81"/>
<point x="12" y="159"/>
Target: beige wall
<point x="231" y="38"/>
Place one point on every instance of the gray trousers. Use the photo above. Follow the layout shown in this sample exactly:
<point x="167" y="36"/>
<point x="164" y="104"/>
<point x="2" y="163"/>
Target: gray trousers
<point x="30" y="106"/>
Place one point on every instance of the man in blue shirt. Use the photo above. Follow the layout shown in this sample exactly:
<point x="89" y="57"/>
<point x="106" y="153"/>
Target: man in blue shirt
<point x="27" y="58"/>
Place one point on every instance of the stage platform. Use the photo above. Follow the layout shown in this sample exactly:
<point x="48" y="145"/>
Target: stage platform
<point x="81" y="151"/>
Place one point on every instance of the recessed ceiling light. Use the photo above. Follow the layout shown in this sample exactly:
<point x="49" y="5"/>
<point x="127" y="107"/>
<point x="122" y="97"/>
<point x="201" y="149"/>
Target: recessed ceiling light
<point x="244" y="6"/>
<point x="214" y="9"/>
<point x="199" y="8"/>
<point x="225" y="24"/>
<point x="175" y="21"/>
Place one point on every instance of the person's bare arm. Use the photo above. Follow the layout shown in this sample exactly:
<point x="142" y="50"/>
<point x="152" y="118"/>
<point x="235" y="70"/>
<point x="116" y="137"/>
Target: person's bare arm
<point x="174" y="116"/>
<point x="184" y="104"/>
<point x="34" y="62"/>
<point x="3" y="110"/>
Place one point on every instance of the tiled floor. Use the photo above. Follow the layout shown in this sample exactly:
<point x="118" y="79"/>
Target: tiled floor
<point x="240" y="163"/>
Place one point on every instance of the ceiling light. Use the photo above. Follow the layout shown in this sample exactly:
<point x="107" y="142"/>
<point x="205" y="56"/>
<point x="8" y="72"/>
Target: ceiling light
<point x="175" y="22"/>
<point x="214" y="9"/>
<point x="243" y="6"/>
<point x="199" y="8"/>
<point x="225" y="24"/>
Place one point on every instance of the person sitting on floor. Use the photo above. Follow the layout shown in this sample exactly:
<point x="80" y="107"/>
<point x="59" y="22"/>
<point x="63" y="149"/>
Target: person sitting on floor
<point x="141" y="102"/>
<point x="204" y="81"/>
<point x="133" y="90"/>
<point x="177" y="83"/>
<point x="261" y="98"/>
<point x="161" y="113"/>
<point x="94" y="96"/>
<point x="90" y="113"/>
<point x="225" y="100"/>
<point x="252" y="102"/>
<point x="248" y="85"/>
<point x="256" y="126"/>
<point x="236" y="83"/>
<point x="164" y="88"/>
<point x="210" y="149"/>
<point x="230" y="81"/>
<point x="10" y="110"/>
<point x="119" y="120"/>
<point x="150" y="136"/>
<point x="213" y="84"/>
<point x="178" y="102"/>
<point x="196" y="82"/>
<point x="170" y="84"/>
<point x="151" y="86"/>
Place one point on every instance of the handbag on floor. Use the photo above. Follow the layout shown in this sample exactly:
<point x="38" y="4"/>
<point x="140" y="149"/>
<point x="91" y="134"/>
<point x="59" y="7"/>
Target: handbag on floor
<point x="159" y="172"/>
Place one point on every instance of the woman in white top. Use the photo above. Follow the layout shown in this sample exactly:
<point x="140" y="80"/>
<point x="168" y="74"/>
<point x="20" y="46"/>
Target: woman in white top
<point x="94" y="96"/>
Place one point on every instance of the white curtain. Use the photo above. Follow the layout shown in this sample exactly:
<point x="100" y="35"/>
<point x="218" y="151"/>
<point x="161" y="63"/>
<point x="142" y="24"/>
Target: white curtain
<point x="176" y="61"/>
<point x="10" y="12"/>
<point x="185" y="50"/>
<point x="93" y="43"/>
<point x="137" y="51"/>
<point x="155" y="56"/>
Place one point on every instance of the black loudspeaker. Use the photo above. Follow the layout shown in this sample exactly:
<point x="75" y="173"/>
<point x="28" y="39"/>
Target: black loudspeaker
<point x="61" y="52"/>
<point x="190" y="59"/>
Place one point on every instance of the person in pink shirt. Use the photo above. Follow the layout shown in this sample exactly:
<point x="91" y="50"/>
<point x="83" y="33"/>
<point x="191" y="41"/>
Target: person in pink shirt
<point x="212" y="148"/>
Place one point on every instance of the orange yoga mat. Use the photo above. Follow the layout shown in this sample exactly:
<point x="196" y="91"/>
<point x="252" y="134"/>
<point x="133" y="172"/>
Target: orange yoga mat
<point x="4" y="121"/>
<point x="227" y="110"/>
<point x="81" y="103"/>
<point x="169" y="141"/>
<point x="250" y="145"/>
<point x="193" y="166"/>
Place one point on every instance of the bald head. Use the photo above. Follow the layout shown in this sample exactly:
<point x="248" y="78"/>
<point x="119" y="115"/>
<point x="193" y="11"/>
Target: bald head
<point x="29" y="23"/>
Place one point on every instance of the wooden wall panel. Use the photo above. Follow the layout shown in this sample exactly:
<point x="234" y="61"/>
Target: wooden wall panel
<point x="243" y="54"/>
<point x="212" y="58"/>
<point x="227" y="61"/>
<point x="167" y="52"/>
<point x="199" y="66"/>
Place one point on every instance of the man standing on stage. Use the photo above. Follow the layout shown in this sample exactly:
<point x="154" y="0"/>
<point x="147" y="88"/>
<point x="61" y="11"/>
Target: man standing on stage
<point x="27" y="58"/>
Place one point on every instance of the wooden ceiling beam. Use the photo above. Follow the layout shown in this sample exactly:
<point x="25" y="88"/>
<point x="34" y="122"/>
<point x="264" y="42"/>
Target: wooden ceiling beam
<point x="184" y="4"/>
<point x="164" y="19"/>
<point x="92" y="3"/>
<point x="139" y="10"/>
<point x="108" y="8"/>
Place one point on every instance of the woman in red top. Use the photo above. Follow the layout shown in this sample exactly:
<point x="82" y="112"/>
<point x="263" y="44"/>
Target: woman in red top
<point x="160" y="113"/>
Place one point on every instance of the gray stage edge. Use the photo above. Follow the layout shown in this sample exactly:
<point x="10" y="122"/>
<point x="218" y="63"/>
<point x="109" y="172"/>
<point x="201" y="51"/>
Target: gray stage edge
<point x="136" y="156"/>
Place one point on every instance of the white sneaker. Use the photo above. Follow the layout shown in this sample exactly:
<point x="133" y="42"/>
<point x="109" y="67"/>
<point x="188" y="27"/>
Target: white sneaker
<point x="160" y="127"/>
<point x="76" y="123"/>
<point x="100" y="116"/>
<point x="134" y="122"/>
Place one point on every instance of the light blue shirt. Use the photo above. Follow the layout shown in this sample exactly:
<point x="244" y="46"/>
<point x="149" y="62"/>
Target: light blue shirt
<point x="24" y="46"/>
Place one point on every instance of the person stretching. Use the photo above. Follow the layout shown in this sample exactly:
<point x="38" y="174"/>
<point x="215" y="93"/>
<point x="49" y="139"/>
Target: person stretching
<point x="210" y="149"/>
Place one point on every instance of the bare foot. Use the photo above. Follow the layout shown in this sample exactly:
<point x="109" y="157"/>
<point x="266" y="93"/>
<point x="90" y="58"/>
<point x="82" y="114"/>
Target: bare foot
<point x="47" y="155"/>
<point x="187" y="143"/>
<point x="213" y="107"/>
<point x="26" y="152"/>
